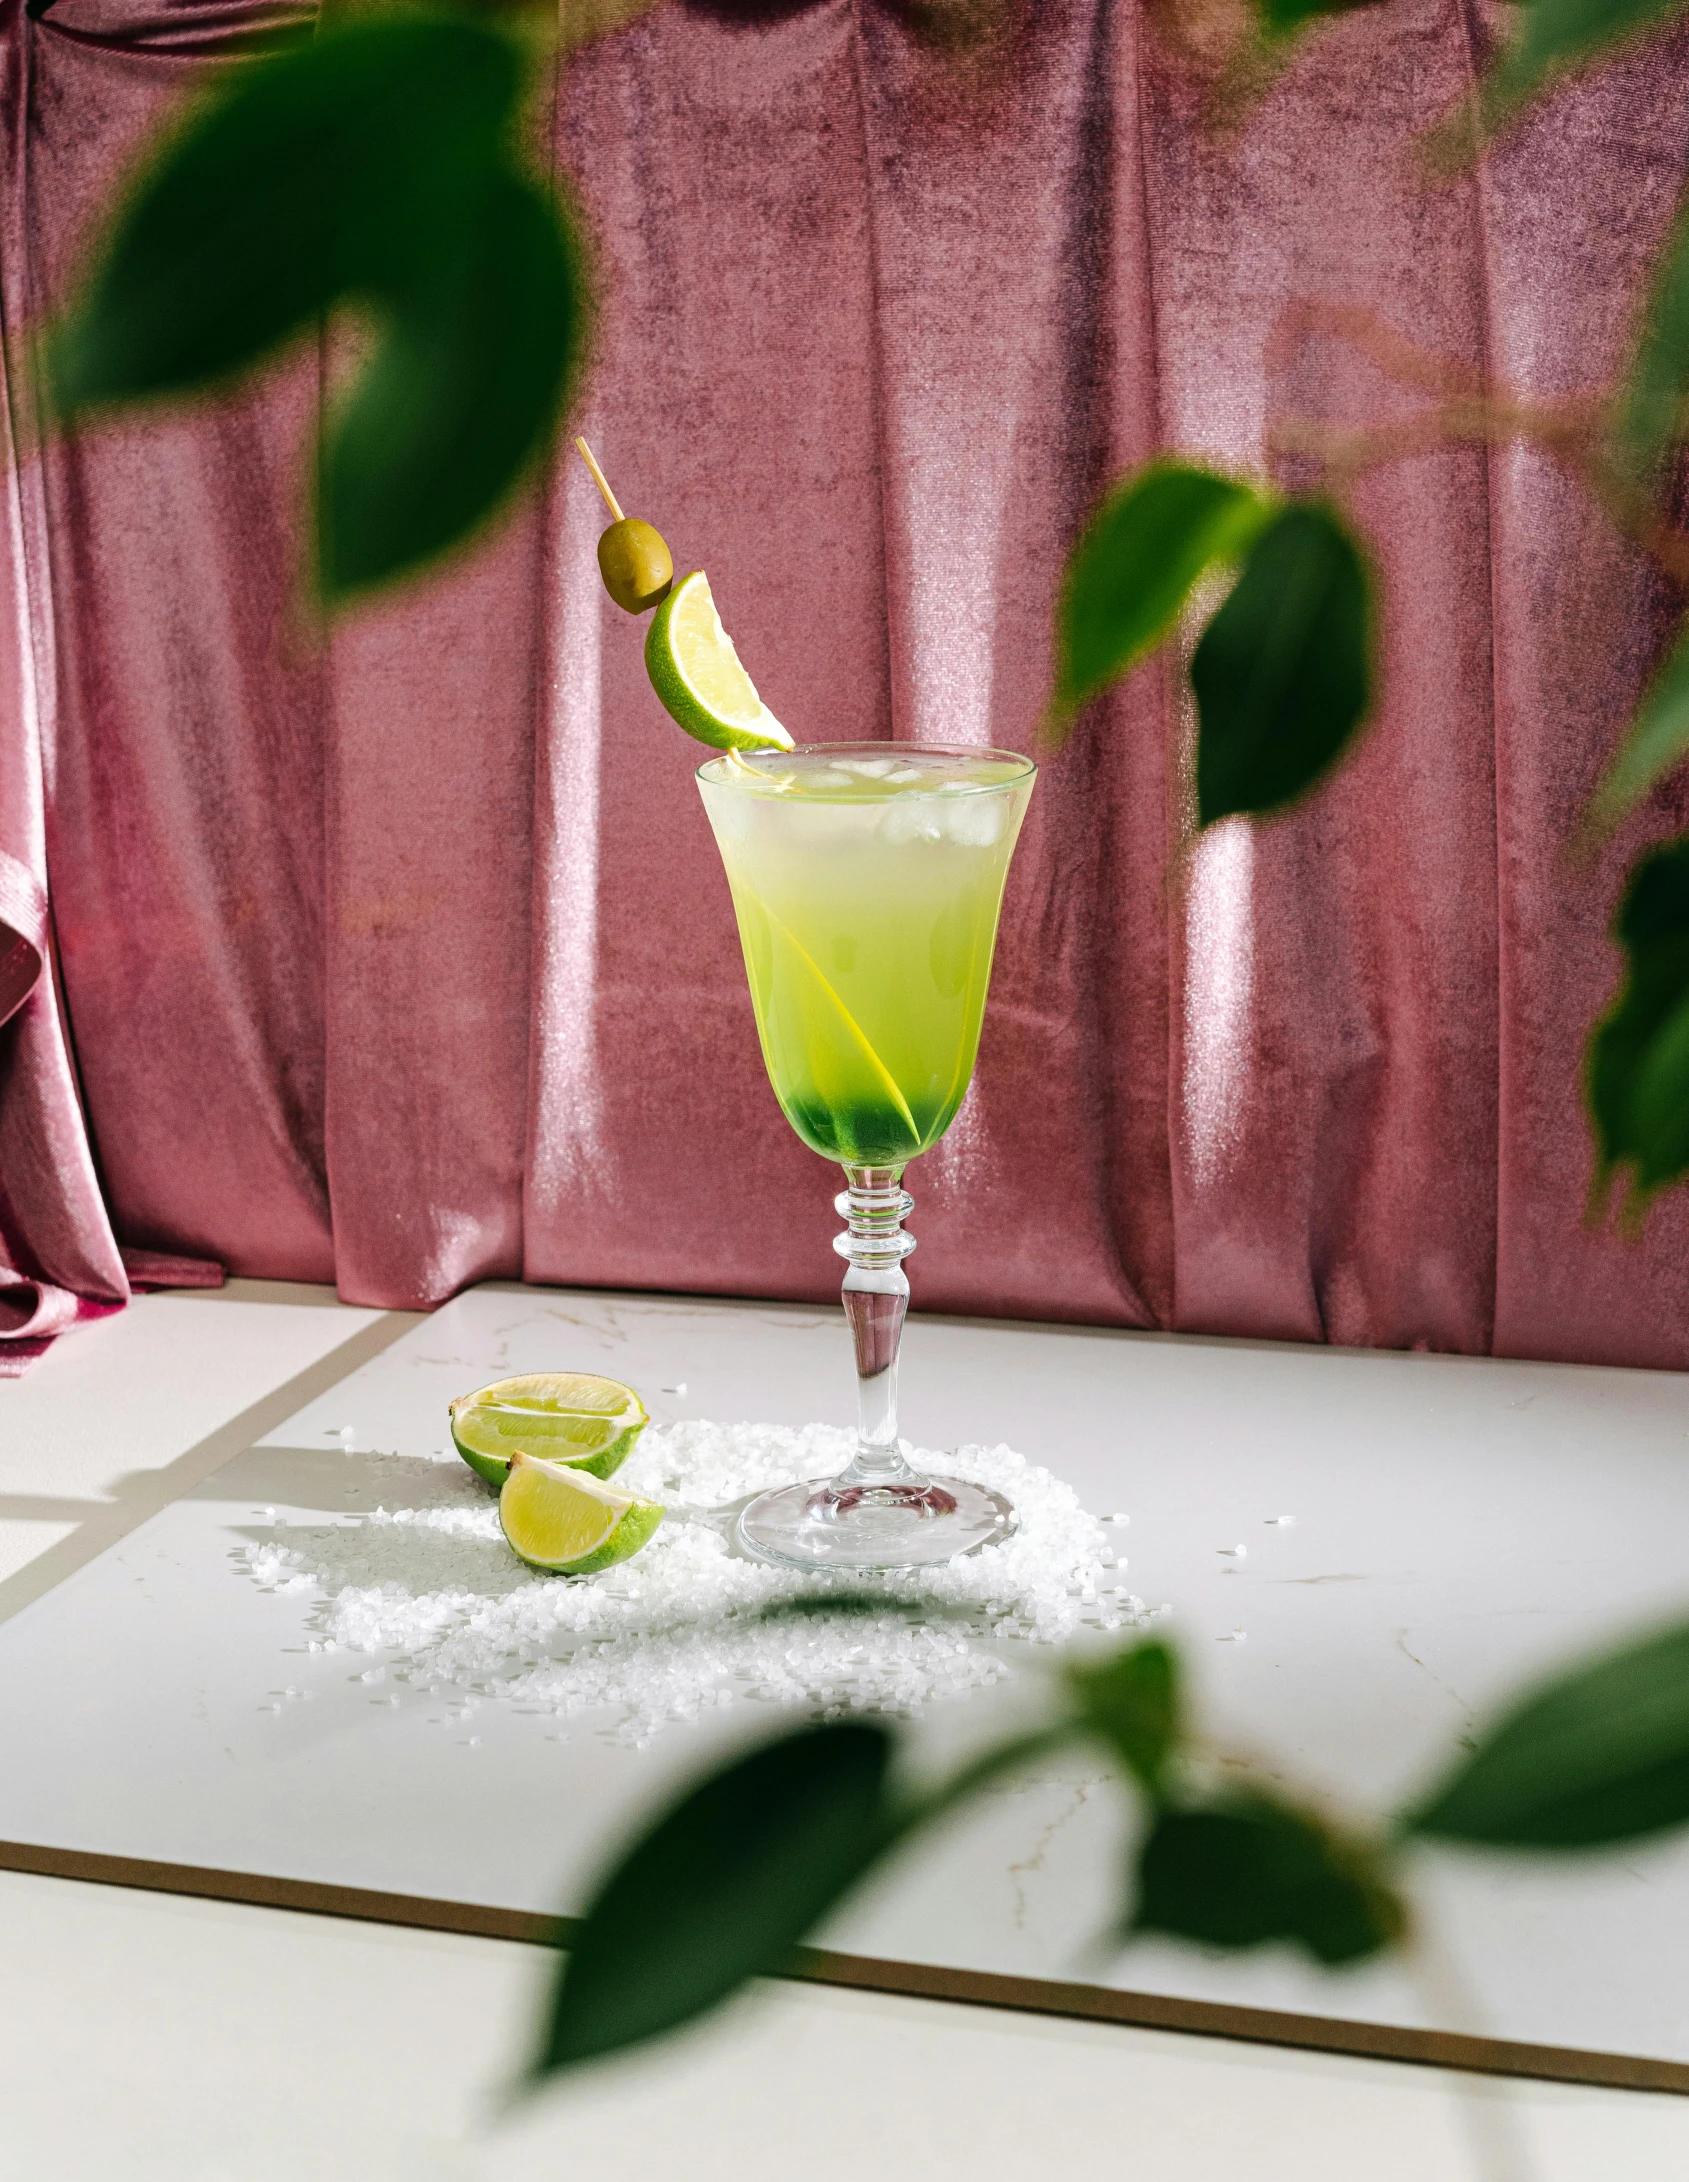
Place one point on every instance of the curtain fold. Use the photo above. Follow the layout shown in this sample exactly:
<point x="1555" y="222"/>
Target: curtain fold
<point x="59" y="1260"/>
<point x="402" y="956"/>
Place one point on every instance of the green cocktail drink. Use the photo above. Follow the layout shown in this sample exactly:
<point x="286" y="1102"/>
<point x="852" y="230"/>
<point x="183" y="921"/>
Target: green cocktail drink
<point x="867" y="888"/>
<point x="867" y="880"/>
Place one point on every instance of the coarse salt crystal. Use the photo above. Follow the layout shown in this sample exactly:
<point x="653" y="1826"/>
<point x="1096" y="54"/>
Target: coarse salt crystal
<point x="437" y="1585"/>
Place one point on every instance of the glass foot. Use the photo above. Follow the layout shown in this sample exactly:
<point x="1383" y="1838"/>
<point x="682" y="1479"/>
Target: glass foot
<point x="833" y="1523"/>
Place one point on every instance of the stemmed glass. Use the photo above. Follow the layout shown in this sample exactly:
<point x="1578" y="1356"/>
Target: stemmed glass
<point x="867" y="879"/>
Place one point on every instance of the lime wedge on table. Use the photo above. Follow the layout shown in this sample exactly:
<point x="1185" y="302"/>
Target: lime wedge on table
<point x="569" y="1523"/>
<point x="696" y="672"/>
<point x="561" y="1416"/>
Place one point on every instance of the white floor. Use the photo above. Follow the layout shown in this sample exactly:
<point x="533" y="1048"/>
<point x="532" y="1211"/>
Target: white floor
<point x="142" y="2036"/>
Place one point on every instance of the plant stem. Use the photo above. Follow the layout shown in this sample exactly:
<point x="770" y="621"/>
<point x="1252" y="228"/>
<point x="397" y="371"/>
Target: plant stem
<point x="1575" y="431"/>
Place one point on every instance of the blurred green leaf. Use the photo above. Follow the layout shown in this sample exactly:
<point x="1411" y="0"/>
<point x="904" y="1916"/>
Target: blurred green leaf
<point x="1657" y="740"/>
<point x="1283" y="672"/>
<point x="298" y="182"/>
<point x="461" y="391"/>
<point x="1639" y="1053"/>
<point x="373" y="167"/>
<point x="1132" y="1702"/>
<point x="1554" y="38"/>
<point x="1283" y="18"/>
<point x="1601" y="1755"/>
<point x="722" y="1889"/>
<point x="1136" y="565"/>
<point x="1251" y="1871"/>
<point x="1651" y="402"/>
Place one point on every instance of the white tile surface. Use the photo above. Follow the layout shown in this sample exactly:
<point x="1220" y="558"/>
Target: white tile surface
<point x="91" y="1435"/>
<point x="1459" y="1523"/>
<point x="150" y="2039"/>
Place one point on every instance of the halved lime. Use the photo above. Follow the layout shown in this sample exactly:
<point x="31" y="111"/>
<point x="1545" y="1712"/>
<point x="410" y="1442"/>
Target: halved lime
<point x="562" y="1416"/>
<point x="696" y="672"/>
<point x="567" y="1522"/>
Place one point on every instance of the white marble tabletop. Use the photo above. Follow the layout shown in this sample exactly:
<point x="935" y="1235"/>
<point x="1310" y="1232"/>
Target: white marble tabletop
<point x="1457" y="1524"/>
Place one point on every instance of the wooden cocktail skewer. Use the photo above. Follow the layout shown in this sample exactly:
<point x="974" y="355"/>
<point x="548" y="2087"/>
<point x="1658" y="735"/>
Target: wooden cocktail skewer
<point x="601" y="481"/>
<point x="638" y="572"/>
<point x="633" y="559"/>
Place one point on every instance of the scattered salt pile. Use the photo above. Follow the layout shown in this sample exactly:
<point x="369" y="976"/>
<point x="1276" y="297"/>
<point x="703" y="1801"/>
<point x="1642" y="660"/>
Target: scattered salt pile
<point x="679" y="1629"/>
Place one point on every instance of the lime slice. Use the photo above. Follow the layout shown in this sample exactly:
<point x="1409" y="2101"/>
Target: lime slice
<point x="562" y="1416"/>
<point x="836" y="1036"/>
<point x="567" y="1522"/>
<point x="696" y="672"/>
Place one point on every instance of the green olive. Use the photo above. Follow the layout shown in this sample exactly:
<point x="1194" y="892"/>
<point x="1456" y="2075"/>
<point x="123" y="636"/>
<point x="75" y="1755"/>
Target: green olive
<point x="635" y="564"/>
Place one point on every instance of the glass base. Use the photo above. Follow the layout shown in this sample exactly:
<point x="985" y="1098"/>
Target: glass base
<point x="833" y="1523"/>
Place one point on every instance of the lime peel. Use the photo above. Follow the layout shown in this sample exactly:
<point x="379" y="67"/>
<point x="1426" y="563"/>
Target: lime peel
<point x="567" y="1522"/>
<point x="698" y="674"/>
<point x="573" y="1417"/>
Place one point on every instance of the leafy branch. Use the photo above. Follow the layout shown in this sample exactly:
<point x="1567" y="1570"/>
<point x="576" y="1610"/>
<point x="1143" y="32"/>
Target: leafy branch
<point x="373" y="171"/>
<point x="724" y="1886"/>
<point x="1282" y="674"/>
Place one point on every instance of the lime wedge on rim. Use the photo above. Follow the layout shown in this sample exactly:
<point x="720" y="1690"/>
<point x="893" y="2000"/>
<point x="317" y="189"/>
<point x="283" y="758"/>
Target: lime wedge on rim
<point x="562" y="1416"/>
<point x="696" y="672"/>
<point x="567" y="1522"/>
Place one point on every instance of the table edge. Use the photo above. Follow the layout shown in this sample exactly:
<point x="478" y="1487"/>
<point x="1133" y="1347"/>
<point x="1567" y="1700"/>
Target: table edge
<point x="912" y="1980"/>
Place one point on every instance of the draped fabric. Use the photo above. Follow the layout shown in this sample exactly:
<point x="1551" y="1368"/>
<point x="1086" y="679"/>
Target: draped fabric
<point x="400" y="955"/>
<point x="58" y="1258"/>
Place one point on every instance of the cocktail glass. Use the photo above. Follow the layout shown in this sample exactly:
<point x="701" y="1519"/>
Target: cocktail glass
<point x="866" y="879"/>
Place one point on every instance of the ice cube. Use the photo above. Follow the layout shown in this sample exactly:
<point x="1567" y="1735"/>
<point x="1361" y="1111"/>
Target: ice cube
<point x="975" y="824"/>
<point x="869" y="768"/>
<point x="907" y="821"/>
<point x="832" y="825"/>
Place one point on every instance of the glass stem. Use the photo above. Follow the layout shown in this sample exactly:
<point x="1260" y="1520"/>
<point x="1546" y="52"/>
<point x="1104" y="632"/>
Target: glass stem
<point x="876" y="1297"/>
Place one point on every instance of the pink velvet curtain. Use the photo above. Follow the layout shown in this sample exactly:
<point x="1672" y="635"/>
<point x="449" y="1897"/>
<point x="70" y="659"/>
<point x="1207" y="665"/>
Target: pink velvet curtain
<point x="403" y="959"/>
